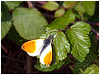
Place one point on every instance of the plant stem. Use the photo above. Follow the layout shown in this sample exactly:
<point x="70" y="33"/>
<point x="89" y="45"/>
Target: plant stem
<point x="12" y="59"/>
<point x="93" y="23"/>
<point x="41" y="2"/>
<point x="30" y="5"/>
<point x="94" y="31"/>
<point x="71" y="67"/>
<point x="29" y="64"/>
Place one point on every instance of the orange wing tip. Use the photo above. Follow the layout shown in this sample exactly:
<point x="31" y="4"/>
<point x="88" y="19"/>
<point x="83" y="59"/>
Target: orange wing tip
<point x="29" y="46"/>
<point x="48" y="58"/>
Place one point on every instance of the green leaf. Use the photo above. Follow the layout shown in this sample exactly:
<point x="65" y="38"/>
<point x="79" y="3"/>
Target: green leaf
<point x="68" y="4"/>
<point x="29" y="23"/>
<point x="14" y="36"/>
<point x="77" y="14"/>
<point x="6" y="16"/>
<point x="89" y="6"/>
<point x="79" y="8"/>
<point x="5" y="27"/>
<point x="79" y="39"/>
<point x="51" y="67"/>
<point x="61" y="3"/>
<point x="59" y="12"/>
<point x="93" y="69"/>
<point x="12" y="4"/>
<point x="95" y="17"/>
<point x="94" y="42"/>
<point x="5" y="22"/>
<point x="48" y="68"/>
<point x="49" y="32"/>
<point x="61" y="45"/>
<point x="90" y="58"/>
<point x="3" y="6"/>
<point x="64" y="21"/>
<point x="1" y="15"/>
<point x="51" y="5"/>
<point x="86" y="16"/>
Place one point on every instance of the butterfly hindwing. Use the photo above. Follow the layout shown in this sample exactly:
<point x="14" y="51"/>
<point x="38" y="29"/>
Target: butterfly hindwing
<point x="46" y="55"/>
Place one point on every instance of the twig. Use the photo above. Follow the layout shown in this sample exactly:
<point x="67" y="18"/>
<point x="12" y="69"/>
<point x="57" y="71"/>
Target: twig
<point x="4" y="49"/>
<point x="94" y="31"/>
<point x="15" y="67"/>
<point x="81" y="71"/>
<point x="36" y="72"/>
<point x="29" y="64"/>
<point x="63" y="67"/>
<point x="30" y="5"/>
<point x="12" y="59"/>
<point x="92" y="23"/>
<point x="71" y="67"/>
<point x="7" y="63"/>
<point x="39" y="6"/>
<point x="41" y="2"/>
<point x="7" y="71"/>
<point x="62" y="29"/>
<point x="15" y="53"/>
<point x="48" y="16"/>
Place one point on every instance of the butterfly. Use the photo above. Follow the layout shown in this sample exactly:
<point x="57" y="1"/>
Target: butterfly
<point x="41" y="48"/>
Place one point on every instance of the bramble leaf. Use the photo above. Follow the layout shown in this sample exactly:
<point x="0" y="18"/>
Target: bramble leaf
<point x="68" y="4"/>
<point x="14" y="36"/>
<point x="6" y="17"/>
<point x="1" y="15"/>
<point x="79" y="8"/>
<point x="12" y="4"/>
<point x="59" y="12"/>
<point x="3" y="6"/>
<point x="93" y="69"/>
<point x="89" y="7"/>
<point x="5" y="23"/>
<point x="95" y="17"/>
<point x="51" y="5"/>
<point x="48" y="68"/>
<point x="62" y="22"/>
<point x="61" y="3"/>
<point x="29" y="23"/>
<point x="90" y="58"/>
<point x="62" y="46"/>
<point x="51" y="67"/>
<point x="5" y="27"/>
<point x="79" y="39"/>
<point x="48" y="33"/>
